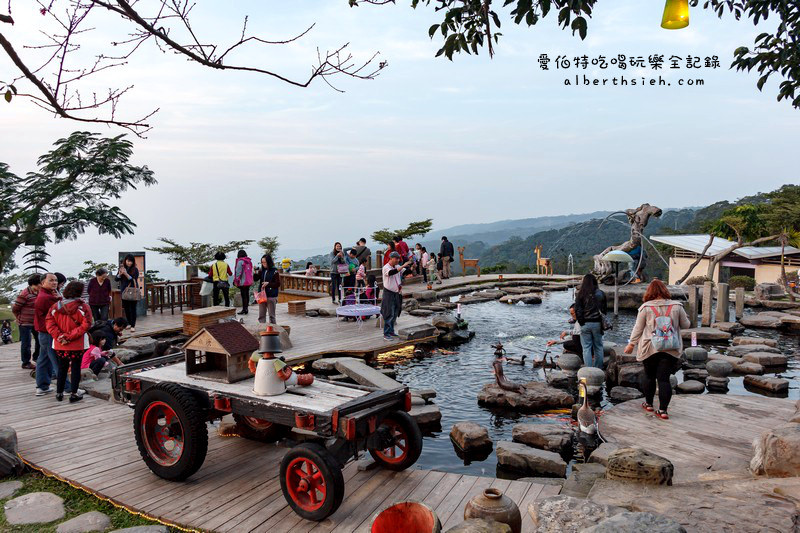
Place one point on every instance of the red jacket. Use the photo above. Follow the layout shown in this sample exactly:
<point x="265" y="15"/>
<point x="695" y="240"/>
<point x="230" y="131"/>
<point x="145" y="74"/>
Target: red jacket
<point x="44" y="301"/>
<point x="23" y="307"/>
<point x="70" y="318"/>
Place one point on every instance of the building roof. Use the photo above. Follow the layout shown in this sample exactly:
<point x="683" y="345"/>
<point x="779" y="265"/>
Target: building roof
<point x="696" y="244"/>
<point x="233" y="337"/>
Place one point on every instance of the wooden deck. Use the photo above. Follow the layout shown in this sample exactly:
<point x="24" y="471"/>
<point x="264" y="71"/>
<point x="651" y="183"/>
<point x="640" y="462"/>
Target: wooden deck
<point x="701" y="430"/>
<point x="91" y="445"/>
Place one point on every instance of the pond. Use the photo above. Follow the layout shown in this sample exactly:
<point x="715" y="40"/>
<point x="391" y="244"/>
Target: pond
<point x="523" y="329"/>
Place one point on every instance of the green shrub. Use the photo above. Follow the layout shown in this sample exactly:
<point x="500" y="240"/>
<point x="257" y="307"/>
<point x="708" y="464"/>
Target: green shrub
<point x="499" y="268"/>
<point x="747" y="282"/>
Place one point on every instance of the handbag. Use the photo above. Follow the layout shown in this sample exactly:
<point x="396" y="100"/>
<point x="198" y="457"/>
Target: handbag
<point x="131" y="293"/>
<point x="261" y="296"/>
<point x="221" y="284"/>
<point x="206" y="288"/>
<point x="343" y="269"/>
<point x="606" y="322"/>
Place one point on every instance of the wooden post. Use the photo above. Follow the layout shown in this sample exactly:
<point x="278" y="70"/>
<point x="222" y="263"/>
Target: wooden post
<point x="708" y="300"/>
<point x="692" y="290"/>
<point x="723" y="303"/>
<point x="739" y="302"/>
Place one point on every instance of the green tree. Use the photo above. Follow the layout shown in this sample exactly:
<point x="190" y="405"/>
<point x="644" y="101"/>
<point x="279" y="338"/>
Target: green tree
<point x="269" y="245"/>
<point x="90" y="267"/>
<point x="195" y="253"/>
<point x="70" y="192"/>
<point x="385" y="235"/>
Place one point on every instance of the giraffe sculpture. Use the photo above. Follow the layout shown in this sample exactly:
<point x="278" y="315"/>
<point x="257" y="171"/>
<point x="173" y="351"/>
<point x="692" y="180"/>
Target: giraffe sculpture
<point x="467" y="262"/>
<point x="543" y="262"/>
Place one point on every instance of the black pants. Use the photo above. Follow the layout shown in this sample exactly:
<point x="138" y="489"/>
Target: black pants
<point x="129" y="307"/>
<point x="65" y="364"/>
<point x="574" y="345"/>
<point x="245" y="291"/>
<point x="658" y="368"/>
<point x="225" y="293"/>
<point x="336" y="282"/>
<point x="98" y="364"/>
<point x="99" y="313"/>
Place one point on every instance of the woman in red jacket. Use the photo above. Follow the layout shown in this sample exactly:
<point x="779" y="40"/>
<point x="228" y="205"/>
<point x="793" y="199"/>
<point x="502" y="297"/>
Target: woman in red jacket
<point x="68" y="322"/>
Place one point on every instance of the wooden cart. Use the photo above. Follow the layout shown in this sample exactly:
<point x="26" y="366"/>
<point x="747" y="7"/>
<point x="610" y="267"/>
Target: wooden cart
<point x="339" y="420"/>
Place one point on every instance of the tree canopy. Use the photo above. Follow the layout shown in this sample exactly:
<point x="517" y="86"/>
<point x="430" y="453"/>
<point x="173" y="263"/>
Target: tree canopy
<point x="421" y="227"/>
<point x="195" y="253"/>
<point x="70" y="192"/>
<point x="269" y="245"/>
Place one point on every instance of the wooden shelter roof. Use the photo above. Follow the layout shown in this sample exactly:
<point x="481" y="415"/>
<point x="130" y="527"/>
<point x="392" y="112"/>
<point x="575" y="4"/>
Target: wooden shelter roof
<point x="231" y="337"/>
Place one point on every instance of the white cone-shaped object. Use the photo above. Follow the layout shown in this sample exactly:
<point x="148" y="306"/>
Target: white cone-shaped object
<point x="267" y="382"/>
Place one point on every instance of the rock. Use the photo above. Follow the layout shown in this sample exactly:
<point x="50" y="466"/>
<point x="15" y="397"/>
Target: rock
<point x="455" y="337"/>
<point x="10" y="464"/>
<point x="328" y="365"/>
<point x="388" y="372"/>
<point x="746" y="367"/>
<point x="739" y="341"/>
<point x="766" y="359"/>
<point x="141" y="345"/>
<point x="623" y="394"/>
<point x="565" y="514"/>
<point x="582" y="479"/>
<point x="673" y="381"/>
<point x="767" y="383"/>
<point x="523" y="458"/>
<point x="695" y="354"/>
<point x="446" y="304"/>
<point x="424" y="296"/>
<point x="558" y="379"/>
<point x="717" y="384"/>
<point x="8" y="440"/>
<point x="422" y="331"/>
<point x="494" y="294"/>
<point x="778" y="304"/>
<point x="420" y="312"/>
<point x="695" y="374"/>
<point x="776" y="453"/>
<point x="537" y="396"/>
<point x="760" y="320"/>
<point x="409" y="304"/>
<point x="742" y="350"/>
<point x="592" y="375"/>
<point x="552" y="437"/>
<point x="791" y="322"/>
<point x="632" y="375"/>
<point x="719" y="369"/>
<point x="125" y="355"/>
<point x="426" y="415"/>
<point x="569" y="362"/>
<point x="769" y="291"/>
<point x="87" y="375"/>
<point x="628" y="522"/>
<point x="602" y="453"/>
<point x="8" y="488"/>
<point x="363" y="374"/>
<point x="691" y="386"/>
<point x="34" y="508"/>
<point x="326" y="312"/>
<point x="705" y="334"/>
<point x="479" y="525"/>
<point x="555" y="287"/>
<point x="142" y="529"/>
<point x="639" y="465"/>
<point x="312" y="313"/>
<point x="425" y="394"/>
<point x="728" y="327"/>
<point x="470" y="436"/>
<point x="445" y="322"/>
<point x="474" y="299"/>
<point x="99" y="389"/>
<point x="528" y="299"/>
<point x="91" y="521"/>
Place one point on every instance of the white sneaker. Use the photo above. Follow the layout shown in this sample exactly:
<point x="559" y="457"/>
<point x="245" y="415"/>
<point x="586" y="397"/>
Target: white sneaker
<point x="42" y="392"/>
<point x="80" y="392"/>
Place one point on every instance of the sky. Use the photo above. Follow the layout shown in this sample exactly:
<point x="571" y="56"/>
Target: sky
<point x="242" y="155"/>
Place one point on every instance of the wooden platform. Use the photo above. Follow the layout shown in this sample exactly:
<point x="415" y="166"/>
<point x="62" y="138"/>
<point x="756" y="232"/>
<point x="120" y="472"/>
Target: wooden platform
<point x="91" y="445"/>
<point x="702" y="429"/>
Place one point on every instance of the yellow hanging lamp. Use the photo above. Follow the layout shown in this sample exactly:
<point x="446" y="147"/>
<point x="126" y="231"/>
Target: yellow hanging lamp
<point x="676" y="15"/>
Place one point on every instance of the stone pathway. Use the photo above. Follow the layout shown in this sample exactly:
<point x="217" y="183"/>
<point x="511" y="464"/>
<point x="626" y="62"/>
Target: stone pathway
<point x="34" y="508"/>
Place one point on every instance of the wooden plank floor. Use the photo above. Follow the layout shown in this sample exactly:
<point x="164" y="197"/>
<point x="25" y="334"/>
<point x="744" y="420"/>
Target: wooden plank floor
<point x="91" y="445"/>
<point x="701" y="429"/>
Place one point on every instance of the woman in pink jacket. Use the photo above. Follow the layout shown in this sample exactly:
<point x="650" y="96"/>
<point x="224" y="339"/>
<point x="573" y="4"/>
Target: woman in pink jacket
<point x="243" y="278"/>
<point x="68" y="322"/>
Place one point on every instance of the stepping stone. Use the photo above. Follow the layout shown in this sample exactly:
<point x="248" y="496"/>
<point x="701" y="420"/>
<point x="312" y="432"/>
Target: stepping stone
<point x="705" y="334"/>
<point x="329" y="364"/>
<point x="728" y="327"/>
<point x="99" y="389"/>
<point x="552" y="437"/>
<point x="746" y="367"/>
<point x="91" y="521"/>
<point x="34" y="508"/>
<point x="719" y="369"/>
<point x="742" y="350"/>
<point x="766" y="383"/>
<point x="592" y="375"/>
<point x="444" y="322"/>
<point x="470" y="436"/>
<point x="739" y="341"/>
<point x="696" y="374"/>
<point x="424" y="296"/>
<point x="623" y="394"/>
<point x="558" y="379"/>
<point x="8" y="488"/>
<point x="422" y="331"/>
<point x="691" y="387"/>
<point x="717" y="384"/>
<point x="366" y="375"/>
<point x="425" y="394"/>
<point x="426" y="414"/>
<point x="761" y="320"/>
<point x="420" y="312"/>
<point x="639" y="466"/>
<point x="523" y="458"/>
<point x="602" y="453"/>
<point x="695" y="354"/>
<point x="766" y="359"/>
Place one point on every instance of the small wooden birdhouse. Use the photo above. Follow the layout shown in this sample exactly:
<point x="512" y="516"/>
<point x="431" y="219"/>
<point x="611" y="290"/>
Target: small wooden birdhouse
<point x="220" y="352"/>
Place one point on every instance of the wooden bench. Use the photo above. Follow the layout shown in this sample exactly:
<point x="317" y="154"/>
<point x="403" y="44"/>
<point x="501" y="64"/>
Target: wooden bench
<point x="196" y="319"/>
<point x="297" y="307"/>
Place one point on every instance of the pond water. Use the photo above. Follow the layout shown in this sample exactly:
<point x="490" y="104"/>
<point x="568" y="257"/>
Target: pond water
<point x="523" y="329"/>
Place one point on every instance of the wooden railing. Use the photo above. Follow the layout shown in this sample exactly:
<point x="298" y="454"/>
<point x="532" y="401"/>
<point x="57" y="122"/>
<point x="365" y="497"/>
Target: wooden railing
<point x="295" y="282"/>
<point x="172" y="294"/>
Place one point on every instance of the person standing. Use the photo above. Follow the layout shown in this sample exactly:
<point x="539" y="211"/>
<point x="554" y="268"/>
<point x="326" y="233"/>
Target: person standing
<point x="446" y="252"/>
<point x="243" y="278"/>
<point x="99" y="289"/>
<point x="24" y="310"/>
<point x="424" y="258"/>
<point x="270" y="282"/>
<point x="46" y="363"/>
<point x="338" y="267"/>
<point x="219" y="272"/>
<point x="657" y="333"/>
<point x="590" y="309"/>
<point x="128" y="277"/>
<point x="68" y="322"/>
<point x="363" y="253"/>
<point x="389" y="249"/>
<point x="392" y="302"/>
<point x="352" y="267"/>
<point x="401" y="247"/>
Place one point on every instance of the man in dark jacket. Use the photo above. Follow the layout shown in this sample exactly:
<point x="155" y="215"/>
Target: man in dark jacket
<point x="23" y="310"/>
<point x="446" y="252"/>
<point x="46" y="363"/>
<point x="110" y="330"/>
<point x="362" y="251"/>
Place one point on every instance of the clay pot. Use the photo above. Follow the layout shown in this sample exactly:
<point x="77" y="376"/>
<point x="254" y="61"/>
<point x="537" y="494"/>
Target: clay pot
<point x="494" y="505"/>
<point x="406" y="517"/>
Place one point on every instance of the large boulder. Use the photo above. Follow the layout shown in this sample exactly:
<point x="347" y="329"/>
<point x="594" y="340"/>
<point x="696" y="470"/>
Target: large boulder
<point x="536" y="396"/>
<point x="522" y="458"/>
<point x="456" y="336"/>
<point x="623" y="394"/>
<point x="760" y="320"/>
<point x="125" y="355"/>
<point x="728" y="327"/>
<point x="769" y="384"/>
<point x="776" y="453"/>
<point x="639" y="466"/>
<point x="769" y="291"/>
<point x="424" y="296"/>
<point x="8" y="439"/>
<point x="632" y="375"/>
<point x="691" y="386"/>
<point x="144" y="346"/>
<point x="10" y="464"/>
<point x="552" y="437"/>
<point x="696" y="354"/>
<point x="418" y="332"/>
<point x="636" y="523"/>
<point x="565" y="514"/>
<point x="743" y="349"/>
<point x="444" y="322"/>
<point x="470" y="436"/>
<point x="592" y="375"/>
<point x="34" y="508"/>
<point x="766" y="359"/>
<point x="569" y="362"/>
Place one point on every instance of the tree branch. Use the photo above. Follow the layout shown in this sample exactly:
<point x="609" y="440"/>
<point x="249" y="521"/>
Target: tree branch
<point x="697" y="261"/>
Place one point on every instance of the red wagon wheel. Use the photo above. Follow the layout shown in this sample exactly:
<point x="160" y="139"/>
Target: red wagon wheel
<point x="259" y="429"/>
<point x="162" y="433"/>
<point x="311" y="481"/>
<point x="305" y="483"/>
<point x="405" y="442"/>
<point x="398" y="450"/>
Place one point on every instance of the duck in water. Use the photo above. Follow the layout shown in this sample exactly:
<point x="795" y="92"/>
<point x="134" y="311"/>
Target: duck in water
<point x="497" y="367"/>
<point x="587" y="420"/>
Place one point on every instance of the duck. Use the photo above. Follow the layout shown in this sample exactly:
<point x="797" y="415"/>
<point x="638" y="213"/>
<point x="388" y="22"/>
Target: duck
<point x="587" y="420"/>
<point x="515" y="361"/>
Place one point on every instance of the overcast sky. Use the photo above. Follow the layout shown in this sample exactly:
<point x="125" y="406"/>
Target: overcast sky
<point x="474" y="140"/>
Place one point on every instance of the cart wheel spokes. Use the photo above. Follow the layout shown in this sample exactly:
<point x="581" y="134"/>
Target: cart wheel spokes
<point x="163" y="433"/>
<point x="404" y="445"/>
<point x="396" y="452"/>
<point x="257" y="423"/>
<point x="305" y="483"/>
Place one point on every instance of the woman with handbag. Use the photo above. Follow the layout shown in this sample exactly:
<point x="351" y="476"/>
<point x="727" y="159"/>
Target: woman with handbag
<point x="657" y="333"/>
<point x="269" y="284"/>
<point x="67" y="322"/>
<point x="590" y="310"/>
<point x="243" y="278"/>
<point x="220" y="272"/>
<point x="338" y="269"/>
<point x="128" y="278"/>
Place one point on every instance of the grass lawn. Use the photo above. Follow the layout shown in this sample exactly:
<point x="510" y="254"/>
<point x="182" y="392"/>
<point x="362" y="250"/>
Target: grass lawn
<point x="76" y="502"/>
<point x="5" y="313"/>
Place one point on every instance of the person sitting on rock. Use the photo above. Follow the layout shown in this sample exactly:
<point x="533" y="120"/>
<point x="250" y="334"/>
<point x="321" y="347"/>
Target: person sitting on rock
<point x="95" y="358"/>
<point x="573" y="343"/>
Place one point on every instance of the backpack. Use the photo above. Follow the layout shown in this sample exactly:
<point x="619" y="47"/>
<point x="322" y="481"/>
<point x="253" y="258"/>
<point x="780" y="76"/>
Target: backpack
<point x="665" y="336"/>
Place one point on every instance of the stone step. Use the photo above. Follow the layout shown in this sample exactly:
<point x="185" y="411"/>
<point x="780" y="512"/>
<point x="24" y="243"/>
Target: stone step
<point x="366" y="375"/>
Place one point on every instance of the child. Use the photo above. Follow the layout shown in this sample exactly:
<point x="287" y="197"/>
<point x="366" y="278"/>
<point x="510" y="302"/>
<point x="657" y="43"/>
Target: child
<point x="349" y="299"/>
<point x="311" y="270"/>
<point x="433" y="276"/>
<point x="5" y="332"/>
<point x="95" y="358"/>
<point x="361" y="273"/>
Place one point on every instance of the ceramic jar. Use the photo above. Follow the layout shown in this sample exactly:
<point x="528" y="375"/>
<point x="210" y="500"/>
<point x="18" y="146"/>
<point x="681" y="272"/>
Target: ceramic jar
<point x="494" y="505"/>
